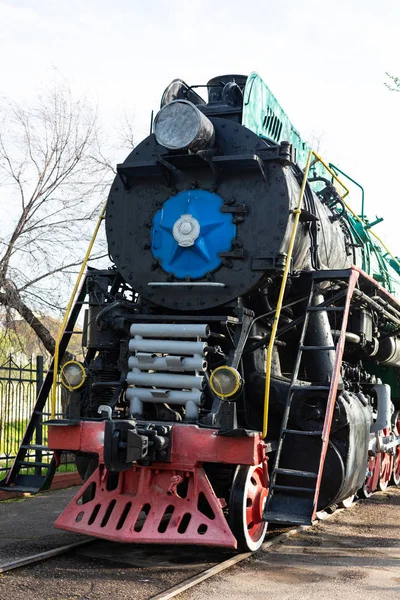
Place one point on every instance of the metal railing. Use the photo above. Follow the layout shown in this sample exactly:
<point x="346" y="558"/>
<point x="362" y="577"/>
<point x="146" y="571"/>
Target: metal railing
<point x="19" y="385"/>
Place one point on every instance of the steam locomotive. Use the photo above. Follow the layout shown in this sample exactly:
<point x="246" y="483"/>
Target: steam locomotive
<point x="191" y="422"/>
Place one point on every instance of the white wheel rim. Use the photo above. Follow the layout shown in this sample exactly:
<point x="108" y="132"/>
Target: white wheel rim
<point x="252" y="544"/>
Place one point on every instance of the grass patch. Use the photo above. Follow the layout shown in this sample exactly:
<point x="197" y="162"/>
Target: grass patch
<point x="12" y="433"/>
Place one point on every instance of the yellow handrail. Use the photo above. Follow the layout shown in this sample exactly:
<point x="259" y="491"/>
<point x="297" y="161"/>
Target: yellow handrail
<point x="67" y="313"/>
<point x="335" y="177"/>
<point x="296" y="212"/>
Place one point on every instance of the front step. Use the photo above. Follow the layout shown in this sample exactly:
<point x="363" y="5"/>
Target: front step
<point x="32" y="484"/>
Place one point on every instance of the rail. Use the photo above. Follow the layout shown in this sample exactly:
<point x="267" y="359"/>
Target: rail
<point x="376" y="236"/>
<point x="361" y="217"/>
<point x="337" y="170"/>
<point x="68" y="310"/>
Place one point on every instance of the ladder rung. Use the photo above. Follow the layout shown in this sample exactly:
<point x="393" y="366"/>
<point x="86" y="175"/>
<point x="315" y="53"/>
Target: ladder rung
<point x="317" y="348"/>
<point x="292" y="488"/>
<point x="301" y="432"/>
<point x="26" y="463"/>
<point x="325" y="308"/>
<point x="306" y="388"/>
<point x="34" y="447"/>
<point x="332" y="275"/>
<point x="296" y="473"/>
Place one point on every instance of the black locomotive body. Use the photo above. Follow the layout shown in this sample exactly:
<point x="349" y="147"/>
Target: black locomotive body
<point x="175" y="435"/>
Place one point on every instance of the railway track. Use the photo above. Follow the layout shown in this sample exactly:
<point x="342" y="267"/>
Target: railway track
<point x="41" y="556"/>
<point x="190" y="582"/>
<point x="181" y="586"/>
<point x="275" y="537"/>
<point x="156" y="573"/>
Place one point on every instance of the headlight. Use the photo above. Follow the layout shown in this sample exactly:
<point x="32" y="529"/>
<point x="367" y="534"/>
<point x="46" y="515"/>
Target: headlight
<point x="181" y="126"/>
<point x="225" y="381"/>
<point x="73" y="375"/>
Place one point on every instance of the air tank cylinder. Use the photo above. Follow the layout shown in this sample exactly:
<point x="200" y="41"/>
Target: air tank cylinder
<point x="320" y="362"/>
<point x="389" y="352"/>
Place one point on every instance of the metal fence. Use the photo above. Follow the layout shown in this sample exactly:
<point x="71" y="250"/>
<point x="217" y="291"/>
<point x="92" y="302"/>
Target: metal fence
<point x="19" y="386"/>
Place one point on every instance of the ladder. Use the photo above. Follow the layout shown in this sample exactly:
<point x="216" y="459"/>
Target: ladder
<point x="17" y="479"/>
<point x="297" y="502"/>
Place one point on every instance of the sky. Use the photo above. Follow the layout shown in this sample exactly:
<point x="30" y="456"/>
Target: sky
<point x="324" y="61"/>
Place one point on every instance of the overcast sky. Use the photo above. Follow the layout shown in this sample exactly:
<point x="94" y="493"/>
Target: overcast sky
<point x="325" y="62"/>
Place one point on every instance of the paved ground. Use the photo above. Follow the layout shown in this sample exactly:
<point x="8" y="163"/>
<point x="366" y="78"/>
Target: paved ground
<point x="27" y="524"/>
<point x="353" y="554"/>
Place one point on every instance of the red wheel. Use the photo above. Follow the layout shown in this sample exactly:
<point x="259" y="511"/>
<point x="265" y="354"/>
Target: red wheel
<point x="386" y="471"/>
<point x="246" y="507"/>
<point x="396" y="461"/>
<point x="374" y="463"/>
<point x="386" y="468"/>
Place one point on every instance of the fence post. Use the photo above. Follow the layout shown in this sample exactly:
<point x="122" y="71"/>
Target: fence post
<point x="39" y="426"/>
<point x="4" y="406"/>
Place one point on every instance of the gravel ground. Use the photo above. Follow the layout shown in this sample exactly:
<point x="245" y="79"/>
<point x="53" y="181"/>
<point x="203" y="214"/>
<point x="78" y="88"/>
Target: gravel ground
<point x="84" y="575"/>
<point x="354" y="552"/>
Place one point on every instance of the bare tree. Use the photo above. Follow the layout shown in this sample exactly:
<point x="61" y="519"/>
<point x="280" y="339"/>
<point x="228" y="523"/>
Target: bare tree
<point x="126" y="135"/>
<point x="394" y="84"/>
<point x="124" y="139"/>
<point x="51" y="183"/>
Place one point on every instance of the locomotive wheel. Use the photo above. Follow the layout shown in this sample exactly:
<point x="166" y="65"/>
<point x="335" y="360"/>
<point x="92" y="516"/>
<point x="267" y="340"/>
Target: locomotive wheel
<point x="396" y="468"/>
<point x="396" y="462"/>
<point x="347" y="502"/>
<point x="246" y="504"/>
<point x="386" y="471"/>
<point x="367" y="490"/>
